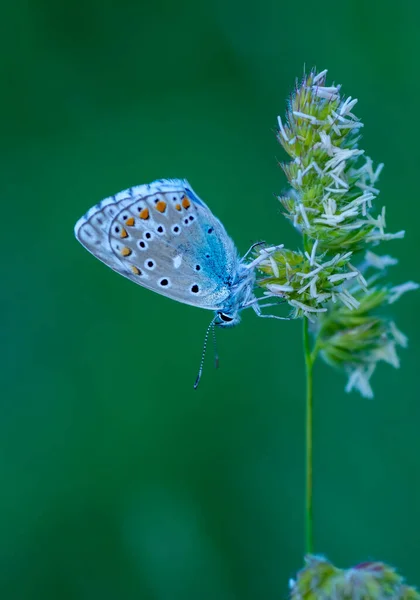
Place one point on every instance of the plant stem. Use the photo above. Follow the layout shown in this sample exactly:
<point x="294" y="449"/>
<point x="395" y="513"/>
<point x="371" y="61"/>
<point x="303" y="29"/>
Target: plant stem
<point x="309" y="427"/>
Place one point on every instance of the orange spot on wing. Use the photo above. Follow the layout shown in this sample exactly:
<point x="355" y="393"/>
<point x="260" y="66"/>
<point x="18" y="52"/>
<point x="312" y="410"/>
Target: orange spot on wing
<point x="185" y="202"/>
<point x="124" y="234"/>
<point x="135" y="270"/>
<point x="161" y="206"/>
<point x="130" y="221"/>
<point x="144" y="214"/>
<point x="126" y="251"/>
<point x="178" y="206"/>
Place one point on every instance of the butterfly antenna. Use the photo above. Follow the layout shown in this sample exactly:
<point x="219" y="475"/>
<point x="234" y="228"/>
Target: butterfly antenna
<point x="206" y="338"/>
<point x="216" y="355"/>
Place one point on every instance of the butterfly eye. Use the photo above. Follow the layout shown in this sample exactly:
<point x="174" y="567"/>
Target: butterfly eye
<point x="226" y="318"/>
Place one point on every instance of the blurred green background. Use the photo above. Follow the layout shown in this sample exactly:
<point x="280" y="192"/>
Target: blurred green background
<point x="118" y="480"/>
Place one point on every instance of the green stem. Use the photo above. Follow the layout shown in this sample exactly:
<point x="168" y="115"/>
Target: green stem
<point x="309" y="430"/>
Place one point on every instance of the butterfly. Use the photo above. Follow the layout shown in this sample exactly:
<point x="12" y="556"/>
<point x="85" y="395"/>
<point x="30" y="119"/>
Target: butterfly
<point x="164" y="237"/>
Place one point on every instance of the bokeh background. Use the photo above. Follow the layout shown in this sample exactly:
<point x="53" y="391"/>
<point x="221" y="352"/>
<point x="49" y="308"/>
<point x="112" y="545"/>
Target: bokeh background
<point x="118" y="480"/>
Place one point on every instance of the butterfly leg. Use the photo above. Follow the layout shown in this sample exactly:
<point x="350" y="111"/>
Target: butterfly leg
<point x="257" y="309"/>
<point x="275" y="317"/>
<point x="265" y="297"/>
<point x="251" y="249"/>
<point x="265" y="253"/>
<point x="271" y="304"/>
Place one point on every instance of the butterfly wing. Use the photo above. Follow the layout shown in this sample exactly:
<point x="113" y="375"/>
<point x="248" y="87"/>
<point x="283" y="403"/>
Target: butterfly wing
<point x="164" y="238"/>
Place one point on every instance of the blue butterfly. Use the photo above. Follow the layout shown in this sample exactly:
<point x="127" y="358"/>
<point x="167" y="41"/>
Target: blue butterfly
<point x="163" y="237"/>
